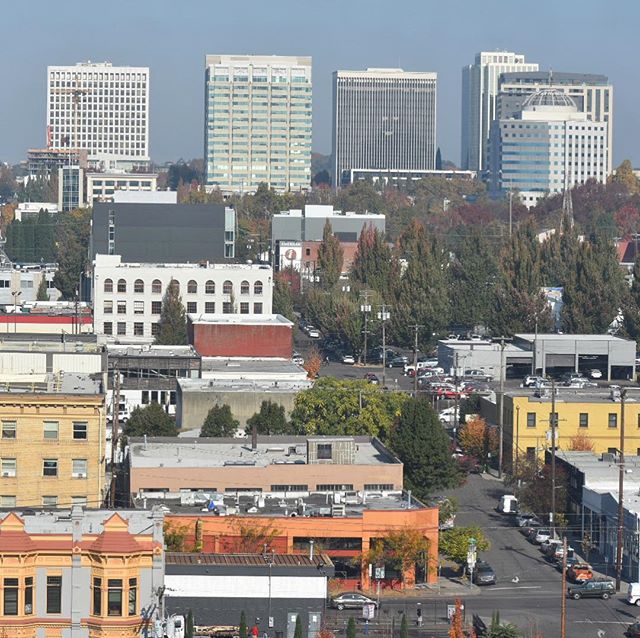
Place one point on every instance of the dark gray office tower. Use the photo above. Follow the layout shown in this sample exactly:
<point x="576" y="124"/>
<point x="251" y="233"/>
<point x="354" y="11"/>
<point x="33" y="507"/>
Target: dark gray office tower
<point x="383" y="119"/>
<point x="166" y="233"/>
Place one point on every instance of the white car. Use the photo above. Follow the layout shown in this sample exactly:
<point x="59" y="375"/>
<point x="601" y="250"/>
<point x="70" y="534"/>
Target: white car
<point x="542" y="535"/>
<point x="595" y="373"/>
<point x="348" y="359"/>
<point x="313" y="333"/>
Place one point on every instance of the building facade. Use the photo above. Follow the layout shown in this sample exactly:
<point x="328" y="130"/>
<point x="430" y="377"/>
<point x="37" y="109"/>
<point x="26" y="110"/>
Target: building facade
<point x="52" y="441"/>
<point x="127" y="296"/>
<point x="383" y="119"/>
<point x="102" y="186"/>
<point x="591" y="93"/>
<point x="550" y="146"/>
<point x="479" y="91"/>
<point x="102" y="109"/>
<point x="93" y="574"/>
<point x="257" y="122"/>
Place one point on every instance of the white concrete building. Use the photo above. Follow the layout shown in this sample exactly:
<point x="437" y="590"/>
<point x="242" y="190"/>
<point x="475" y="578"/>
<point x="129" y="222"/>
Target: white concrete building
<point x="550" y="145"/>
<point x="19" y="283"/>
<point x="257" y="122"/>
<point x="479" y="91"/>
<point x="103" y="186"/>
<point x="102" y="109"/>
<point x="30" y="210"/>
<point x="127" y="297"/>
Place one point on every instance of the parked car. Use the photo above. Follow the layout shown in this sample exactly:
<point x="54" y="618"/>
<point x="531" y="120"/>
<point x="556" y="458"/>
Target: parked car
<point x="372" y="378"/>
<point x="430" y="372"/>
<point x="399" y="361"/>
<point x="633" y="594"/>
<point x="531" y="534"/>
<point x="579" y="572"/>
<point x="549" y="544"/>
<point x="543" y="534"/>
<point x="352" y="600"/>
<point x="313" y="333"/>
<point x="479" y="375"/>
<point x="483" y="574"/>
<point x="508" y="504"/>
<point x="595" y="373"/>
<point x="633" y="631"/>
<point x="531" y="380"/>
<point x="524" y="519"/>
<point x="298" y="359"/>
<point x="592" y="589"/>
<point x="348" y="359"/>
<point x="558" y="551"/>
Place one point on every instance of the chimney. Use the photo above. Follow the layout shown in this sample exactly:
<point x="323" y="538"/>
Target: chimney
<point x="254" y="438"/>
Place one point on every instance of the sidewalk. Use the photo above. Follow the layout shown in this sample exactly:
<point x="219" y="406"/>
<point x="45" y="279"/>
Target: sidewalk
<point x="444" y="588"/>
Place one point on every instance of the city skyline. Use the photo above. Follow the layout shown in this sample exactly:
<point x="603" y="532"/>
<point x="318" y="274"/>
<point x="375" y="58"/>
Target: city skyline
<point x="425" y="36"/>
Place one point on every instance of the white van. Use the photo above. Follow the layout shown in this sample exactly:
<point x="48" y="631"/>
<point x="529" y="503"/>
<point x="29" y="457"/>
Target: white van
<point x="633" y="594"/>
<point x="508" y="504"/>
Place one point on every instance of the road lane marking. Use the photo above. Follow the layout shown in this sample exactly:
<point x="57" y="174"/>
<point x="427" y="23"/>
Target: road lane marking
<point x="514" y="588"/>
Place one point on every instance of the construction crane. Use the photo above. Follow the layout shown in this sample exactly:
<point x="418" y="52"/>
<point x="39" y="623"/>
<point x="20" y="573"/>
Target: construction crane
<point x="76" y="93"/>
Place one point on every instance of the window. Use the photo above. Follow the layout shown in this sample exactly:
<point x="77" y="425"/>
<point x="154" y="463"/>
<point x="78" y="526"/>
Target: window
<point x="210" y="288"/>
<point x="613" y="420"/>
<point x="122" y="307"/>
<point x="79" y="468"/>
<point x="138" y="329"/>
<point x="138" y="285"/>
<point x="210" y="307"/>
<point x="9" y="429"/>
<point x="79" y="500"/>
<point x="289" y="488"/>
<point x="192" y="307"/>
<point x="244" y="308"/>
<point x="155" y="329"/>
<point x="8" y="467"/>
<point x="133" y="596"/>
<point x="49" y="501"/>
<point x="192" y="287"/>
<point x="257" y="288"/>
<point x="138" y="307"/>
<point x="51" y="430"/>
<point x="227" y="308"/>
<point x="531" y="453"/>
<point x="122" y="328"/>
<point x="334" y="487"/>
<point x="156" y="307"/>
<point x="156" y="287"/>
<point x="122" y="285"/>
<point x="114" y="597"/>
<point x="584" y="420"/>
<point x="245" y="288"/>
<point x="227" y="288"/>
<point x="97" y="597"/>
<point x="54" y="594"/>
<point x="28" y="595"/>
<point x="324" y="450"/>
<point x="7" y="501"/>
<point x="531" y="419"/>
<point x="50" y="467"/>
<point x="378" y="486"/>
<point x="80" y="430"/>
<point x="108" y="285"/>
<point x="108" y="307"/>
<point x="257" y="308"/>
<point x="107" y="328"/>
<point x="10" y="597"/>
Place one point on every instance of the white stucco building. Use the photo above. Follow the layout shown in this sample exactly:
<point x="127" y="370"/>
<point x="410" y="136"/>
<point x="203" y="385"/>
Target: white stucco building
<point x="127" y="297"/>
<point x="103" y="186"/>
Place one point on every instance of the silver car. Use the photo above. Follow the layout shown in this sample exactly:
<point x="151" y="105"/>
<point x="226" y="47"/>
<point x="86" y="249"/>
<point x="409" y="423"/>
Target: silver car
<point x="352" y="600"/>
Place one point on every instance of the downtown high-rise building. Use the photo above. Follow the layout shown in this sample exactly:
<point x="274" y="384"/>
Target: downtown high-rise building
<point x="258" y="123"/>
<point x="479" y="91"/>
<point x="101" y="109"/>
<point x="383" y="120"/>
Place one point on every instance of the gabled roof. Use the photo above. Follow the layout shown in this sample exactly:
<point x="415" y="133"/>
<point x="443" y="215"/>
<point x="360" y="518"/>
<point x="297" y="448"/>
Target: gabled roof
<point x="115" y="538"/>
<point x="13" y="537"/>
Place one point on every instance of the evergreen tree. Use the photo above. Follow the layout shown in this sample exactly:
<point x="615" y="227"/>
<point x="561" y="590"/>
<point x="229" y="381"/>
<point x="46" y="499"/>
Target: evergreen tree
<point x="188" y="631"/>
<point x="404" y="627"/>
<point x="151" y="420"/>
<point x="44" y="245"/>
<point x="71" y="240"/>
<point x="438" y="160"/>
<point x="632" y="312"/>
<point x="351" y="627"/>
<point x="242" y="629"/>
<point x="173" y="321"/>
<point x="42" y="294"/>
<point x="558" y="255"/>
<point x="219" y="422"/>
<point x="373" y="265"/>
<point x="297" y="632"/>
<point x="282" y="298"/>
<point x="270" y="419"/>
<point x="330" y="258"/>
<point x="423" y="446"/>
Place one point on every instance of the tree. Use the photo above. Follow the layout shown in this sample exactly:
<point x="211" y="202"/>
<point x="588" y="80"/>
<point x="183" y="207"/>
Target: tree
<point x="454" y="543"/>
<point x="423" y="446"/>
<point x="373" y="265"/>
<point x="536" y="494"/>
<point x="625" y="176"/>
<point x="438" y="160"/>
<point x="175" y="536"/>
<point x="251" y="536"/>
<point x="188" y="633"/>
<point x="351" y="627"/>
<point x="330" y="257"/>
<point x="632" y="312"/>
<point x="313" y="363"/>
<point x="478" y="439"/>
<point x="297" y="632"/>
<point x="173" y="321"/>
<point x="151" y="420"/>
<point x="71" y="241"/>
<point x="271" y="419"/>
<point x="282" y="298"/>
<point x="404" y="627"/>
<point x="447" y="510"/>
<point x="242" y="629"/>
<point x="456" y="630"/>
<point x="219" y="422"/>
<point x="581" y="443"/>
<point x="42" y="294"/>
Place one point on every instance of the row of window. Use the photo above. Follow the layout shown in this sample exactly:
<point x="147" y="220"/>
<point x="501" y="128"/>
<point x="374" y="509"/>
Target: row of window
<point x="50" y="430"/>
<point x="191" y="307"/>
<point x="192" y="287"/>
<point x="11" y="501"/>
<point x="583" y="419"/>
<point x="50" y="467"/>
<point x="370" y="487"/>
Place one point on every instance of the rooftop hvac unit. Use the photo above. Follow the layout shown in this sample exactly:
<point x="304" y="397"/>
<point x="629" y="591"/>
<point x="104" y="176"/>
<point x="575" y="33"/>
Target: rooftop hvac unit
<point x="338" y="510"/>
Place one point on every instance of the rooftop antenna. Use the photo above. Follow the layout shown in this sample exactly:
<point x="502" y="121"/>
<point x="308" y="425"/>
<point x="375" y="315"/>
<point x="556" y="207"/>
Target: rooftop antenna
<point x="567" y="206"/>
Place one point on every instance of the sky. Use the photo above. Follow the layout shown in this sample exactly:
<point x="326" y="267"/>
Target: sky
<point x="173" y="36"/>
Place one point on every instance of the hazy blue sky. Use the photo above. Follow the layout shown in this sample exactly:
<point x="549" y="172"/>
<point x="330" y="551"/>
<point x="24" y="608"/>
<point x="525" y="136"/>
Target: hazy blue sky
<point x="173" y="36"/>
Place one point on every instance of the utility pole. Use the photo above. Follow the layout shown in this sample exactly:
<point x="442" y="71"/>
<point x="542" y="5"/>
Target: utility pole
<point x="553" y="456"/>
<point x="416" y="328"/>
<point x="623" y="396"/>
<point x="501" y="410"/>
<point x="517" y="451"/>
<point x="366" y="309"/>
<point x="456" y="398"/>
<point x="383" y="315"/>
<point x="115" y="423"/>
<point x="563" y="604"/>
<point x="510" y="212"/>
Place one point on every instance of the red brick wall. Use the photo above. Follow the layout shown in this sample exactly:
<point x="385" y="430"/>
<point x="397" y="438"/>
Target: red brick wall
<point x="229" y="340"/>
<point x="349" y="250"/>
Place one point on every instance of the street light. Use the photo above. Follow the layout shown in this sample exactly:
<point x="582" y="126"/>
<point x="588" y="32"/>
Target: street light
<point x="384" y="315"/>
<point x="365" y="307"/>
<point x="16" y="294"/>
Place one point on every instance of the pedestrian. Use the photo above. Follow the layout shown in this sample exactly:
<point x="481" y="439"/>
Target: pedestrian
<point x="419" y="616"/>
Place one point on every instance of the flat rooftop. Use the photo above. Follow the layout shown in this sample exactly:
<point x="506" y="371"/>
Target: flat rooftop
<point x="239" y="320"/>
<point x="245" y="560"/>
<point x="273" y="386"/>
<point x="254" y="366"/>
<point x="61" y="383"/>
<point x="574" y="395"/>
<point x="170" y="452"/>
<point x="39" y="344"/>
<point x="116" y="350"/>
<point x="530" y="336"/>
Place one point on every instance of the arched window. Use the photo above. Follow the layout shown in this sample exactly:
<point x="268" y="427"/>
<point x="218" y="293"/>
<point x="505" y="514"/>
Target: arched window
<point x="227" y="288"/>
<point x="257" y="288"/>
<point x="138" y="285"/>
<point x="245" y="288"/>
<point x="122" y="285"/>
<point x="108" y="285"/>
<point x="156" y="287"/>
<point x="210" y="287"/>
<point x="192" y="287"/>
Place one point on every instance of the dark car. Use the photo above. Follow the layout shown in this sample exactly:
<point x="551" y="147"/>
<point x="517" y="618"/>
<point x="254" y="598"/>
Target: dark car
<point x="592" y="589"/>
<point x="633" y="631"/>
<point x="483" y="574"/>
<point x="372" y="378"/>
<point x="399" y="361"/>
<point x="352" y="600"/>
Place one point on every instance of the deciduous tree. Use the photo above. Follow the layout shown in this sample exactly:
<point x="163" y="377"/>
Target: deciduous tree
<point x="219" y="422"/>
<point x="71" y="241"/>
<point x="478" y="439"/>
<point x="581" y="443"/>
<point x="173" y="320"/>
<point x="151" y="420"/>
<point x="271" y="419"/>
<point x="373" y="265"/>
<point x="454" y="543"/>
<point x="330" y="257"/>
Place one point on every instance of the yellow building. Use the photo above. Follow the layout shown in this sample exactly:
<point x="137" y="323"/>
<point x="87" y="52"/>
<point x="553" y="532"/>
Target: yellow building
<point x="590" y="415"/>
<point x="52" y="442"/>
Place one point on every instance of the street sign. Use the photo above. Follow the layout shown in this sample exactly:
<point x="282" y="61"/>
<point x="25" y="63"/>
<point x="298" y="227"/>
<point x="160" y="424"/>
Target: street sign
<point x="368" y="611"/>
<point x="451" y="610"/>
<point x="379" y="573"/>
